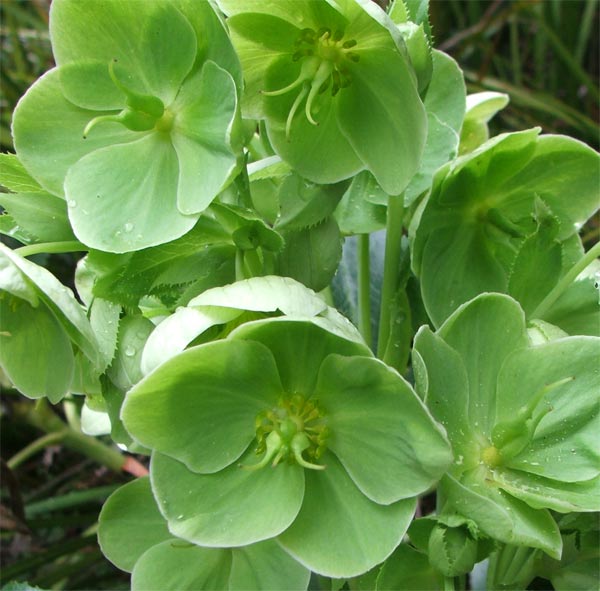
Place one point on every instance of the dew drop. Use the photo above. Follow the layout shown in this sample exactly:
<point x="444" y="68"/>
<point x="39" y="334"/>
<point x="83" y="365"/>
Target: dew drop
<point x="128" y="227"/>
<point x="72" y="203"/>
<point x="129" y="351"/>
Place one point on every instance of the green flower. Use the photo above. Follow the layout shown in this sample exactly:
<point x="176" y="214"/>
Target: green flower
<point x="287" y="430"/>
<point x="334" y="84"/>
<point x="522" y="420"/>
<point x="498" y="219"/>
<point x="140" y="117"/>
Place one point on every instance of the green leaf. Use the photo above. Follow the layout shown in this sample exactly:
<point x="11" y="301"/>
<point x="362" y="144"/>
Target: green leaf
<point x="481" y="107"/>
<point x="15" y="178"/>
<point x="35" y="350"/>
<point x="233" y="507"/>
<point x="125" y="370"/>
<point x="179" y="409"/>
<point x="130" y="523"/>
<point x="41" y="214"/>
<point x="398" y="439"/>
<point x="311" y="255"/>
<point x="305" y="204"/>
<point x="104" y="319"/>
<point x="339" y="532"/>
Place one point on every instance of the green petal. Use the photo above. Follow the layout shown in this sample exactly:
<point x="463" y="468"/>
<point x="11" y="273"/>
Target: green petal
<point x="503" y="517"/>
<point x="544" y="493"/>
<point x="105" y="30"/>
<point x="380" y="431"/>
<point x="565" y="444"/>
<point x="175" y="565"/>
<point x="204" y="113"/>
<point x="458" y="264"/>
<point x="60" y="300"/>
<point x="200" y="406"/>
<point x="44" y="122"/>
<point x="130" y="523"/>
<point x="307" y="146"/>
<point x="35" y="351"/>
<point x="124" y="197"/>
<point x="339" y="532"/>
<point x="383" y="118"/>
<point x="484" y="332"/>
<point x="266" y="566"/>
<point x="179" y="566"/>
<point x="233" y="507"/>
<point x="447" y="394"/>
<point x="299" y="347"/>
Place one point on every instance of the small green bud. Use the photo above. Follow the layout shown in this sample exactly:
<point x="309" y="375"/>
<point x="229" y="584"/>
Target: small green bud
<point x="452" y="550"/>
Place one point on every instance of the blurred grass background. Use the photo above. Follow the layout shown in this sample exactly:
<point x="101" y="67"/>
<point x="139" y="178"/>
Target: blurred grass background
<point x="543" y="53"/>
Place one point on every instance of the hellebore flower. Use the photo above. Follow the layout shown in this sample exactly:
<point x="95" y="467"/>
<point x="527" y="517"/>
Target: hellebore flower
<point x="137" y="125"/>
<point x="134" y="536"/>
<point x="334" y="84"/>
<point x="37" y="313"/>
<point x="287" y="430"/>
<point x="522" y="420"/>
<point x="497" y="220"/>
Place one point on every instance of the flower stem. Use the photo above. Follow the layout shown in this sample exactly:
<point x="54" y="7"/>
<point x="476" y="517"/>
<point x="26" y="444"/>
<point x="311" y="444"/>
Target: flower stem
<point x="35" y="446"/>
<point x="391" y="268"/>
<point x="364" y="288"/>
<point x="566" y="280"/>
<point x="51" y="248"/>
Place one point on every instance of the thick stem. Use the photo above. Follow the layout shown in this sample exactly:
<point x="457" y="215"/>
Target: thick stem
<point x="34" y="447"/>
<point x="391" y="268"/>
<point x="51" y="248"/>
<point x="568" y="278"/>
<point x="364" y="288"/>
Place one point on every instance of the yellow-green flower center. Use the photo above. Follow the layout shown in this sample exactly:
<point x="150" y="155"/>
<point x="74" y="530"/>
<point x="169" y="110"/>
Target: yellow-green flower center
<point x="326" y="58"/>
<point x="292" y="431"/>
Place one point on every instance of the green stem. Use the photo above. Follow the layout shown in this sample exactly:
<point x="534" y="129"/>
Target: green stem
<point x="34" y="447"/>
<point x="42" y="417"/>
<point x="391" y="268"/>
<point x="364" y="288"/>
<point x="567" y="279"/>
<point x="449" y="584"/>
<point x="51" y="248"/>
<point x="242" y="183"/>
<point x="70" y="500"/>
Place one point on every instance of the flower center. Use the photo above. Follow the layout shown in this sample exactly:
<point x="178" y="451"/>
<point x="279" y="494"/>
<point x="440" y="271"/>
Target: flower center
<point x="143" y="112"/>
<point x="326" y="58"/>
<point x="294" y="427"/>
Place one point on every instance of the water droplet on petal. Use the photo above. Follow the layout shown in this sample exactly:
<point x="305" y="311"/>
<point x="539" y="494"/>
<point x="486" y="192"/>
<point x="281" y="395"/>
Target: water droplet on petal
<point x="130" y="351"/>
<point x="128" y="227"/>
<point x="72" y="203"/>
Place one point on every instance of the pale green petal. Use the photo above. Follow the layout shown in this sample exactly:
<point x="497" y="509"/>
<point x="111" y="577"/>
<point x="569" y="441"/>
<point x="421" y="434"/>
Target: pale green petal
<point x="44" y="123"/>
<point x="484" y="332"/>
<point x="124" y="197"/>
<point x="199" y="407"/>
<point x="380" y="430"/>
<point x="339" y="532"/>
<point x="130" y="523"/>
<point x="299" y="347"/>
<point x="233" y="507"/>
